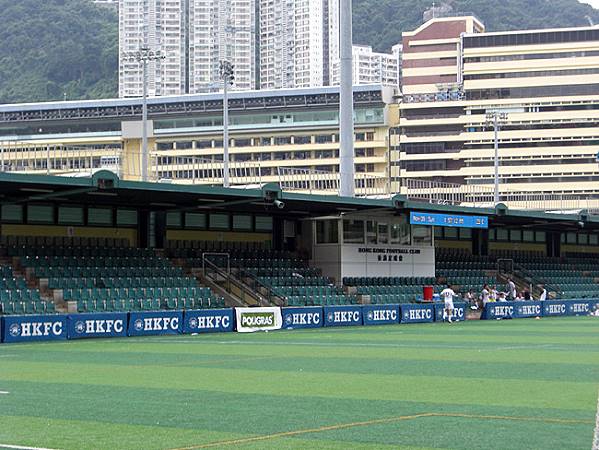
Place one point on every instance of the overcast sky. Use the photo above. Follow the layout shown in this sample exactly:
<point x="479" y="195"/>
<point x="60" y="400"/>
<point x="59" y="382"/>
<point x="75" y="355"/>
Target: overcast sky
<point x="593" y="3"/>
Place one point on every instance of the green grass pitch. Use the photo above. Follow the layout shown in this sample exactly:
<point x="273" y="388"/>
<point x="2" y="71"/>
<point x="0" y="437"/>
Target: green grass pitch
<point x="519" y="384"/>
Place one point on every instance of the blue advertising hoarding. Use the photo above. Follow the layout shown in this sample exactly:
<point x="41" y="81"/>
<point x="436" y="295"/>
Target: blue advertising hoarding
<point x="148" y="323"/>
<point x="459" y="311"/>
<point x="499" y="310"/>
<point x="208" y="320"/>
<point x="579" y="307"/>
<point x="302" y="317"/>
<point x="34" y="328"/>
<point x="528" y="309"/>
<point x="555" y="308"/>
<point x="97" y="325"/>
<point x="417" y="312"/>
<point x="340" y="316"/>
<point x="380" y="314"/>
<point x="448" y="220"/>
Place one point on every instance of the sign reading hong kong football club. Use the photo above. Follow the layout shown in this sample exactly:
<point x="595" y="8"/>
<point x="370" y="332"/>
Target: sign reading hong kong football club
<point x="147" y="323"/>
<point x="97" y="325"/>
<point x="208" y="321"/>
<point x="342" y="316"/>
<point x="380" y="314"/>
<point x="34" y="328"/>
<point x="302" y="317"/>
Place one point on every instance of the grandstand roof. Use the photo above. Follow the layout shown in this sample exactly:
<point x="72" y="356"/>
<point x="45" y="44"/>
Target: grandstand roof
<point x="104" y="188"/>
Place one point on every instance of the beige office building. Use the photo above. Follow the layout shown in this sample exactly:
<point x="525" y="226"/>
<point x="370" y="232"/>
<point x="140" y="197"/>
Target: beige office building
<point x="545" y="83"/>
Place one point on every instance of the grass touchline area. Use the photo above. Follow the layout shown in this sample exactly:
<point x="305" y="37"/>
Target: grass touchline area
<point x="507" y="385"/>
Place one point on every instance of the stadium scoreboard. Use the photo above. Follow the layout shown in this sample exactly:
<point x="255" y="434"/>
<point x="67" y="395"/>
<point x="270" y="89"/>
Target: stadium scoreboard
<point x="448" y="220"/>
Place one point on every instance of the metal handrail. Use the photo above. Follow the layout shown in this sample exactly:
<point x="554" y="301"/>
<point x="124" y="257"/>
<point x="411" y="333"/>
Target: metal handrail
<point x="257" y="284"/>
<point x="244" y="290"/>
<point x="533" y="280"/>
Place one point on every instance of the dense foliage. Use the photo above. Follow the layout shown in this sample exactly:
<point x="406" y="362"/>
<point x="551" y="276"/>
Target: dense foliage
<point x="380" y="22"/>
<point x="50" y="48"/>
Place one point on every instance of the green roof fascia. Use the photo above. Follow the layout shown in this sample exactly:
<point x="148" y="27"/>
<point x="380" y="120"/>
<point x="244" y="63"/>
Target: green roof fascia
<point x="340" y="201"/>
<point x="23" y="178"/>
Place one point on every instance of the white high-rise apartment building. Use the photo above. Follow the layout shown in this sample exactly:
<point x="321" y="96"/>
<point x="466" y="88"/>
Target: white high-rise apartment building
<point x="370" y="67"/>
<point x="221" y="30"/>
<point x="159" y="25"/>
<point x="194" y="35"/>
<point x="296" y="40"/>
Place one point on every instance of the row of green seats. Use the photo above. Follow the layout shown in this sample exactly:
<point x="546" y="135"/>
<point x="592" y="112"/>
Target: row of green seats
<point x="387" y="299"/>
<point x="320" y="300"/>
<point x="295" y="281"/>
<point x="94" y="305"/>
<point x="26" y="250"/>
<point x="125" y="282"/>
<point x="278" y="272"/>
<point x="135" y="293"/>
<point x="26" y="307"/>
<point x="374" y="290"/>
<point x="387" y="281"/>
<point x="16" y="295"/>
<point x="286" y="291"/>
<point x="13" y="283"/>
<point x="91" y="261"/>
<point x="96" y="272"/>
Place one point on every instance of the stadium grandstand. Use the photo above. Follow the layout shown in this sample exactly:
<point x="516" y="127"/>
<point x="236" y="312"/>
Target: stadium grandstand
<point x="100" y="243"/>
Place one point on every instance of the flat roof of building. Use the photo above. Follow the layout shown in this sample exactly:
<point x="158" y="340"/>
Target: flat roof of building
<point x="241" y="101"/>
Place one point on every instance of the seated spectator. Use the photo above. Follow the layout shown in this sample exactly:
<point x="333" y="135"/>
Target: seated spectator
<point x="470" y="299"/>
<point x="526" y="295"/>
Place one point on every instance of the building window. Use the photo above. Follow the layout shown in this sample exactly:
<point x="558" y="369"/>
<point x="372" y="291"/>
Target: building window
<point x="327" y="231"/>
<point x="371" y="232"/>
<point x="422" y="235"/>
<point x="383" y="233"/>
<point x="353" y="231"/>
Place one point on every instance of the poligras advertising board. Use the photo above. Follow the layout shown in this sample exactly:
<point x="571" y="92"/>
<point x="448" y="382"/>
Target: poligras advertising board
<point x="258" y="319"/>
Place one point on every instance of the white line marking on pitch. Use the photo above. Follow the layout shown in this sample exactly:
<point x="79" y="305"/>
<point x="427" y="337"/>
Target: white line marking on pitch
<point x="596" y="436"/>
<point x="21" y="447"/>
<point x="4" y="393"/>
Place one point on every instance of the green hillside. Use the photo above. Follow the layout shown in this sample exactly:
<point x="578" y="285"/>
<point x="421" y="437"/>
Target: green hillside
<point x="56" y="47"/>
<point x="380" y="22"/>
<point x="52" y="47"/>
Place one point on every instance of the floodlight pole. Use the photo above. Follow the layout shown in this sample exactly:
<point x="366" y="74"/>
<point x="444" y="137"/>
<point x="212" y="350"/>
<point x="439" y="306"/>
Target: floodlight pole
<point x="226" y="73"/>
<point x="143" y="56"/>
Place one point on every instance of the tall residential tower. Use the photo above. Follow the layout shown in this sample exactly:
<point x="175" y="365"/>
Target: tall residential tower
<point x="194" y="35"/>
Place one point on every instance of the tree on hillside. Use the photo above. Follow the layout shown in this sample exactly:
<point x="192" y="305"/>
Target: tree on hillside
<point x="56" y="47"/>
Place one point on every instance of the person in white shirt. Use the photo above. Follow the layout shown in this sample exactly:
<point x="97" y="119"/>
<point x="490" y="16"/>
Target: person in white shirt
<point x="447" y="295"/>
<point x="511" y="288"/>
<point x="484" y="295"/>
<point x="493" y="294"/>
<point x="543" y="296"/>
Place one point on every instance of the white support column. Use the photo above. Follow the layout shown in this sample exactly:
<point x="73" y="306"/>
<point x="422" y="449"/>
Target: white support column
<point x="346" y="103"/>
